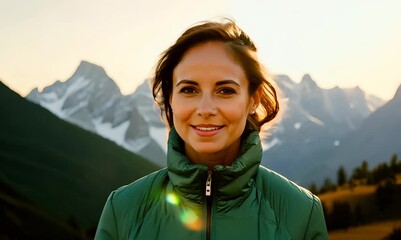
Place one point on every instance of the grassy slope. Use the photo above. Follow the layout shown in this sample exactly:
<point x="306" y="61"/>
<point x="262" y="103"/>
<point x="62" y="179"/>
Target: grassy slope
<point x="22" y="219"/>
<point x="382" y="221"/>
<point x="353" y="196"/>
<point x="367" y="232"/>
<point x="364" y="196"/>
<point x="65" y="169"/>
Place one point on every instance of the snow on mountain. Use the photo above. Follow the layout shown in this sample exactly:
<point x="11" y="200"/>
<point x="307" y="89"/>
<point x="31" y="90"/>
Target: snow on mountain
<point x="92" y="100"/>
<point x="83" y="97"/>
<point x="314" y="119"/>
<point x="106" y="130"/>
<point x="375" y="140"/>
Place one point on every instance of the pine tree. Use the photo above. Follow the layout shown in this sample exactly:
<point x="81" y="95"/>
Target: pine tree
<point x="313" y="188"/>
<point x="341" y="176"/>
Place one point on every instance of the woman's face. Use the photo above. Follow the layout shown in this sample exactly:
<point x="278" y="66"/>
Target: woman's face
<point x="210" y="103"/>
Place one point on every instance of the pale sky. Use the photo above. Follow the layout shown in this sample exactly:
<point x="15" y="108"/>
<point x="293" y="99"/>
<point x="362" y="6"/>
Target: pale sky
<point x="344" y="43"/>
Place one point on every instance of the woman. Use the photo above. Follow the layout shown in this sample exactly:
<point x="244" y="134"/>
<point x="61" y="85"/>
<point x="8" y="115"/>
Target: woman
<point x="215" y="98"/>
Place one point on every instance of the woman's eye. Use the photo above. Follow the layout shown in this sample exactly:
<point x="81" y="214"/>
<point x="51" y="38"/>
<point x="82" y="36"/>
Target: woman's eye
<point x="188" y="90"/>
<point x="227" y="91"/>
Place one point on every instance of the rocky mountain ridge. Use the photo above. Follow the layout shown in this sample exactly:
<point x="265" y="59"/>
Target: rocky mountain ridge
<point x="315" y="118"/>
<point x="92" y="100"/>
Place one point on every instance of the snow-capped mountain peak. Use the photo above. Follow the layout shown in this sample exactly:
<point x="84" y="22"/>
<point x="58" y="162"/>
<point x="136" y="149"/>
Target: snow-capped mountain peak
<point x="92" y="100"/>
<point x="307" y="83"/>
<point x="315" y="117"/>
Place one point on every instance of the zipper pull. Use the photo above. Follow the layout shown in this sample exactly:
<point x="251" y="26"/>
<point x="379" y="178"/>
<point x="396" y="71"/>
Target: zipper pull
<point x="209" y="183"/>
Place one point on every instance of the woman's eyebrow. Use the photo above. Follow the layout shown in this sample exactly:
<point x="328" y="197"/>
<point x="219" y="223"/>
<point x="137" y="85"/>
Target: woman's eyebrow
<point x="186" y="81"/>
<point x="219" y="83"/>
<point x="223" y="82"/>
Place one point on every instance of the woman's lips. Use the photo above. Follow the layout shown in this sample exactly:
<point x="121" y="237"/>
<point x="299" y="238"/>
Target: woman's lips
<point x="206" y="130"/>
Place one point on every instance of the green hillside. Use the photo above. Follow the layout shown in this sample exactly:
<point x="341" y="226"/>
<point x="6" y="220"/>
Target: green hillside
<point x="22" y="219"/>
<point x="64" y="169"/>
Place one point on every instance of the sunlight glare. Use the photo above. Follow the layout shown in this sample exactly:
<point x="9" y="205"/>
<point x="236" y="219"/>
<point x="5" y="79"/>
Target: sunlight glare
<point x="191" y="220"/>
<point x="172" y="199"/>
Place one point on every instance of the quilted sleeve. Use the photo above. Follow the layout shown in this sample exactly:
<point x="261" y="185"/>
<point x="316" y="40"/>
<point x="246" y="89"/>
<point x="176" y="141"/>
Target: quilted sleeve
<point x="107" y="228"/>
<point x="316" y="229"/>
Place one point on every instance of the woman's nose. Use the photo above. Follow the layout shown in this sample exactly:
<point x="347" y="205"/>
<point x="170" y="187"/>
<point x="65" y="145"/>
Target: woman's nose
<point x="206" y="106"/>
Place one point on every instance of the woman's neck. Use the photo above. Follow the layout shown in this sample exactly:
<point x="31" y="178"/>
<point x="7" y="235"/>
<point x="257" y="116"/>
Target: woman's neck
<point x="225" y="157"/>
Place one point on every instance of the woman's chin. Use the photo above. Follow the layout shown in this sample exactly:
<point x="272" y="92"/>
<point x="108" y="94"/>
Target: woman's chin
<point x="207" y="150"/>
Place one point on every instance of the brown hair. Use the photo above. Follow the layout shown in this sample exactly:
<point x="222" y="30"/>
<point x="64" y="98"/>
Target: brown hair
<point x="239" y="46"/>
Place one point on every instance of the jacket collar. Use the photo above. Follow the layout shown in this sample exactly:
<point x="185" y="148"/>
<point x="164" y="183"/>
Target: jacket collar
<point x="229" y="182"/>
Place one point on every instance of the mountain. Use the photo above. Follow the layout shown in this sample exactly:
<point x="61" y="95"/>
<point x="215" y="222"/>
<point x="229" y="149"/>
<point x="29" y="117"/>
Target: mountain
<point x="61" y="167"/>
<point x="92" y="100"/>
<point x="314" y="119"/>
<point x="376" y="140"/>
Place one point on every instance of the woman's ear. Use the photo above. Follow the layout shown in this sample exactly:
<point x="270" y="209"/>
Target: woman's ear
<point x="255" y="101"/>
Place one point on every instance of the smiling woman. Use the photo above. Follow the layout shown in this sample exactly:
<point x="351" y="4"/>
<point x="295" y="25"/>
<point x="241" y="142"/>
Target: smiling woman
<point x="210" y="103"/>
<point x="215" y="97"/>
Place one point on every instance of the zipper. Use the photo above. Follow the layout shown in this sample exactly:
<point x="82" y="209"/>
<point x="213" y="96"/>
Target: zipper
<point x="208" y="194"/>
<point x="209" y="184"/>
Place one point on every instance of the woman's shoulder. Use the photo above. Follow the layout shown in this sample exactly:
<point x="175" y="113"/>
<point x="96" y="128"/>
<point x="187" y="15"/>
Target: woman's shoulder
<point x="278" y="189"/>
<point x="127" y="205"/>
<point x="294" y="207"/>
<point x="139" y="190"/>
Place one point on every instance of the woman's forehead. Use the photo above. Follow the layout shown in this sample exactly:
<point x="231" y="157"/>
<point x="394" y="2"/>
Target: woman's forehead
<point x="208" y="60"/>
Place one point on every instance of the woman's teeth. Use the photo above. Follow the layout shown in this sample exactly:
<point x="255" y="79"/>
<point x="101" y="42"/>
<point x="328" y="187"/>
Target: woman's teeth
<point x="207" y="128"/>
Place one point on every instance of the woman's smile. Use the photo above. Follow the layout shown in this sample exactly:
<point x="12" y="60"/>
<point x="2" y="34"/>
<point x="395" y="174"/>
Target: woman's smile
<point x="210" y="103"/>
<point x="207" y="130"/>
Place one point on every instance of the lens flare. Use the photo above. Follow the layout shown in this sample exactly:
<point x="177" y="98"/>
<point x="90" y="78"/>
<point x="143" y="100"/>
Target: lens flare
<point x="191" y="220"/>
<point x="188" y="217"/>
<point x="172" y="199"/>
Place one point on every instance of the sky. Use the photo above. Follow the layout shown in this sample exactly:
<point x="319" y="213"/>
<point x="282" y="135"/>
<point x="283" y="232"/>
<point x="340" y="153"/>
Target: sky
<point x="343" y="43"/>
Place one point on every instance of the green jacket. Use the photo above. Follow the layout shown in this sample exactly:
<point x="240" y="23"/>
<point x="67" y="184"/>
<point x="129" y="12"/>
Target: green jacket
<point x="246" y="201"/>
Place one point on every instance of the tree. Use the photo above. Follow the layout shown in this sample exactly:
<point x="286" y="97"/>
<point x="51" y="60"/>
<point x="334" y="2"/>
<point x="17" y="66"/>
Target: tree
<point x="313" y="188"/>
<point x="328" y="185"/>
<point x="361" y="172"/>
<point x="341" y="176"/>
<point x="381" y="172"/>
<point x="340" y="216"/>
<point x="364" y="169"/>
<point x="384" y="193"/>
<point x="394" y="165"/>
<point x="358" y="216"/>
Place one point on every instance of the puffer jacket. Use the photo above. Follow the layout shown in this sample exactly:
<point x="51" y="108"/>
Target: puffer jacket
<point x="244" y="201"/>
